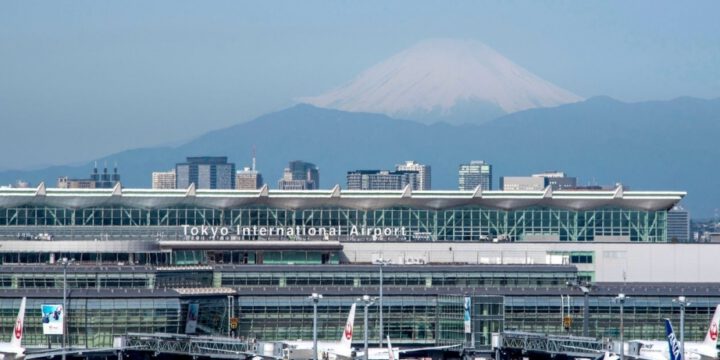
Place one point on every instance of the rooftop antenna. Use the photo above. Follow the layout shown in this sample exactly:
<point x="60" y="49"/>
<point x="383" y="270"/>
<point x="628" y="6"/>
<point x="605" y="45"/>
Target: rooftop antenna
<point x="253" y="163"/>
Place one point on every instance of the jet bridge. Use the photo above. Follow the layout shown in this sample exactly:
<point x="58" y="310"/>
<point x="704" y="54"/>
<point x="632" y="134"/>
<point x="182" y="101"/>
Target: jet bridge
<point x="199" y="346"/>
<point x="546" y="345"/>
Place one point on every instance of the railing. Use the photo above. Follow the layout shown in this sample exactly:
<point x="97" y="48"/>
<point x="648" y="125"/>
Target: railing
<point x="100" y="233"/>
<point x="216" y="347"/>
<point x="552" y="344"/>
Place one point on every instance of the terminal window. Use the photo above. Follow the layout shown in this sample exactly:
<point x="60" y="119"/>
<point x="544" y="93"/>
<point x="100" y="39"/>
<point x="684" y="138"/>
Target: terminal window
<point x="581" y="258"/>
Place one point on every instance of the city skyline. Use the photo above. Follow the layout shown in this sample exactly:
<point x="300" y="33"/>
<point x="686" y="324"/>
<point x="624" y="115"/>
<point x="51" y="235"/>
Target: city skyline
<point x="476" y="173"/>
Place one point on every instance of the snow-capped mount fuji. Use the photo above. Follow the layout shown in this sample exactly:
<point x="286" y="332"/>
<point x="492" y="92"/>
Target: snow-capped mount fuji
<point x="449" y="80"/>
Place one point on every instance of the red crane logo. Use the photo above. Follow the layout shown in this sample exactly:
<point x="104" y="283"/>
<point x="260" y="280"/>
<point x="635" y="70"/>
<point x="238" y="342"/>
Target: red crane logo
<point x="18" y="329"/>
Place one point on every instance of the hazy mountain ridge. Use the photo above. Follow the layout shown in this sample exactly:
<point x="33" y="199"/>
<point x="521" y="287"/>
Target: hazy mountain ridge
<point x="660" y="145"/>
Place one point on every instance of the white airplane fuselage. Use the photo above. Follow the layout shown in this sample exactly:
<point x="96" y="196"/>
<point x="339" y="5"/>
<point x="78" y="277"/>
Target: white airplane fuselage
<point x="332" y="350"/>
<point x="8" y="352"/>
<point x="694" y="350"/>
<point x="658" y="350"/>
<point x="327" y="350"/>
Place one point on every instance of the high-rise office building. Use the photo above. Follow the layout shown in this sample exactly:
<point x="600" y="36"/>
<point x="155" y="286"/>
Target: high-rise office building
<point x="424" y="173"/>
<point x="97" y="180"/>
<point x="678" y="224"/>
<point x="557" y="180"/>
<point x="206" y="172"/>
<point x="300" y="175"/>
<point x="476" y="173"/>
<point x="163" y="179"/>
<point x="248" y="179"/>
<point x="522" y="183"/>
<point x="65" y="182"/>
<point x="382" y="180"/>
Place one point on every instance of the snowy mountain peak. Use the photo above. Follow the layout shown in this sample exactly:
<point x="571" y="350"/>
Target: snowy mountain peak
<point x="445" y="79"/>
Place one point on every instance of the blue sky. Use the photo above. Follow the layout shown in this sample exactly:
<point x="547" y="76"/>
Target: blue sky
<point x="80" y="80"/>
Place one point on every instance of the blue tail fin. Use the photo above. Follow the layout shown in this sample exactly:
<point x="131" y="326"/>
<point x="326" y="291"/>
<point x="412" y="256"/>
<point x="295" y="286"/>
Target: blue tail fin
<point x="673" y="344"/>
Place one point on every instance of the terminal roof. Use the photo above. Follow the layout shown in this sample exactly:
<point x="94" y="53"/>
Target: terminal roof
<point x="352" y="199"/>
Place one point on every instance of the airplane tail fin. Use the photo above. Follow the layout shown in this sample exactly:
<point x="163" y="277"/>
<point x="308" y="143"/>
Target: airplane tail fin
<point x="712" y="335"/>
<point x="346" y="339"/>
<point x="391" y="355"/>
<point x="674" y="346"/>
<point x="16" y="339"/>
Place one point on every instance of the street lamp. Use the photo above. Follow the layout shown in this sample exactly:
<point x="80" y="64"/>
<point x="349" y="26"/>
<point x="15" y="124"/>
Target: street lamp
<point x="621" y="300"/>
<point x="65" y="263"/>
<point x="315" y="297"/>
<point x="683" y="302"/>
<point x="382" y="262"/>
<point x="367" y="301"/>
<point x="585" y="288"/>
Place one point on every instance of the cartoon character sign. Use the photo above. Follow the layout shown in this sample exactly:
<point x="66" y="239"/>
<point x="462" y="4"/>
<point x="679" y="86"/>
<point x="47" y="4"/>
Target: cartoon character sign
<point x="52" y="319"/>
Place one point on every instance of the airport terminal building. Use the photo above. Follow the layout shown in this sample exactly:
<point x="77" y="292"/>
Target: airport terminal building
<point x="142" y="256"/>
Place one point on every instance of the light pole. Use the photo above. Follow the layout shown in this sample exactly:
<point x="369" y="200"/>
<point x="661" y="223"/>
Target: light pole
<point x="315" y="297"/>
<point x="382" y="262"/>
<point x="231" y="314"/>
<point x="367" y="301"/>
<point x="683" y="302"/>
<point x="621" y="300"/>
<point x="585" y="288"/>
<point x="65" y="263"/>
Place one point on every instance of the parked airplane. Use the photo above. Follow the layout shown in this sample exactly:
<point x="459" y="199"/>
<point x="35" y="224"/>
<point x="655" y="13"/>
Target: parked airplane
<point x="660" y="350"/>
<point x="394" y="353"/>
<point x="328" y="350"/>
<point x="13" y="350"/>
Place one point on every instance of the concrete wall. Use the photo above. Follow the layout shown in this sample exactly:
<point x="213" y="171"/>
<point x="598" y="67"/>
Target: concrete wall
<point x="612" y="262"/>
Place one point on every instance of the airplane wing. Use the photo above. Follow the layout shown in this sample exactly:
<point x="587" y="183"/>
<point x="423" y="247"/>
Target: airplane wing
<point x="402" y="351"/>
<point x="45" y="355"/>
<point x="360" y="353"/>
<point x="606" y="355"/>
<point x="249" y="354"/>
<point x="52" y="353"/>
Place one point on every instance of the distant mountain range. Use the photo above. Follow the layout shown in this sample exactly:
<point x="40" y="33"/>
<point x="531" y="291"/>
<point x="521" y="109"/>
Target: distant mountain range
<point x="448" y="80"/>
<point x="659" y="145"/>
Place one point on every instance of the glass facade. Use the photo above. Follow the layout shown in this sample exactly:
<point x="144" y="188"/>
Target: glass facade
<point x="420" y="307"/>
<point x="99" y="280"/>
<point x="642" y="318"/>
<point x="459" y="224"/>
<point x="94" y="322"/>
<point x="406" y="319"/>
<point x="417" y="319"/>
<point x="334" y="276"/>
<point x="428" y="278"/>
<point x="487" y="317"/>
